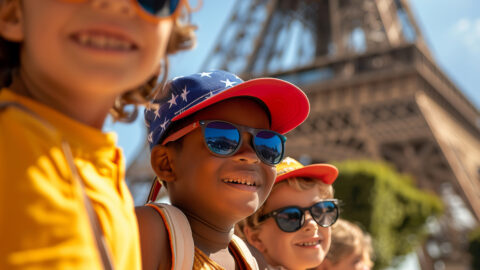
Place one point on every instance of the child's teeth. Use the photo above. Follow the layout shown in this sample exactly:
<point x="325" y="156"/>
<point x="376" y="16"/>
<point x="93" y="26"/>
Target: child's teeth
<point x="238" y="181"/>
<point x="307" y="244"/>
<point x="103" y="42"/>
<point x="113" y="43"/>
<point x="99" y="41"/>
<point x="83" y="38"/>
<point x="124" y="45"/>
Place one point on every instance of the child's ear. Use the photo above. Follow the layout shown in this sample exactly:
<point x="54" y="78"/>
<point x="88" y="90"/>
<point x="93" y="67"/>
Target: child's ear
<point x="161" y="161"/>
<point x="11" y="20"/>
<point x="254" y="239"/>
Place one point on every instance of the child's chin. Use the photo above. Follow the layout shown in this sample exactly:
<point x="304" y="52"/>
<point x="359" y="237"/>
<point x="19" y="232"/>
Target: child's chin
<point x="246" y="209"/>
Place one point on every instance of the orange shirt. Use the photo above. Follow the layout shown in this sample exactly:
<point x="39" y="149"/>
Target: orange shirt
<point x="43" y="221"/>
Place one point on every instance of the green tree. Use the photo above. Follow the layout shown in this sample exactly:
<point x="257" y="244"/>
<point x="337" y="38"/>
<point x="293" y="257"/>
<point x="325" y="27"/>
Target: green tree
<point x="388" y="205"/>
<point x="474" y="248"/>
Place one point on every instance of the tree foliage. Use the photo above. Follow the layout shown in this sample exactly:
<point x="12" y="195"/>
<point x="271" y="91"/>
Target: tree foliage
<point x="387" y="204"/>
<point x="474" y="248"/>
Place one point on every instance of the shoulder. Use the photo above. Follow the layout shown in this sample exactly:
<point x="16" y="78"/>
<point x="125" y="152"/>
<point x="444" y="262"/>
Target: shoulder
<point x="154" y="238"/>
<point x="247" y="252"/>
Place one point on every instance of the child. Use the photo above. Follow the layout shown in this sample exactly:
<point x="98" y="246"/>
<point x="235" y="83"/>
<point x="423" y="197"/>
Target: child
<point x="215" y="141"/>
<point x="292" y="229"/>
<point x="351" y="248"/>
<point x="64" y="65"/>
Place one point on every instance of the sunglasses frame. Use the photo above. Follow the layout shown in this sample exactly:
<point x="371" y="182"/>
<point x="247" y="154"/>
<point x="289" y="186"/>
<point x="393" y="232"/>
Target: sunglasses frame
<point x="253" y="131"/>
<point x="142" y="12"/>
<point x="273" y="214"/>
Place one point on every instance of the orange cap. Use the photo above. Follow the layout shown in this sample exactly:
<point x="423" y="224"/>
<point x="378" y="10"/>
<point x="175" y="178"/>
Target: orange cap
<point x="290" y="168"/>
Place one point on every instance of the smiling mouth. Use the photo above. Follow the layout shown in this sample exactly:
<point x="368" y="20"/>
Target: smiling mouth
<point x="309" y="244"/>
<point x="240" y="181"/>
<point x="103" y="41"/>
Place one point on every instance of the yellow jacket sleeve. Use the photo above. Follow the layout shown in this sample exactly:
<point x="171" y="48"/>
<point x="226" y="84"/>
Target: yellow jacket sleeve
<point x="43" y="223"/>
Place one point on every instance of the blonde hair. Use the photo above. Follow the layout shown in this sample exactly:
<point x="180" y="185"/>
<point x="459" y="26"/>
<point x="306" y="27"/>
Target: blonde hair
<point x="346" y="239"/>
<point x="297" y="183"/>
<point x="182" y="38"/>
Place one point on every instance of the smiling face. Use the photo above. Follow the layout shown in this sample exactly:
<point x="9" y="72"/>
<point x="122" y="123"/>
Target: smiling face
<point x="93" y="47"/>
<point x="305" y="248"/>
<point x="218" y="189"/>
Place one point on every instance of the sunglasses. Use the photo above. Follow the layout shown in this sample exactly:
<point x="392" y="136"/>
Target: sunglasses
<point x="151" y="10"/>
<point x="292" y="218"/>
<point x="223" y="139"/>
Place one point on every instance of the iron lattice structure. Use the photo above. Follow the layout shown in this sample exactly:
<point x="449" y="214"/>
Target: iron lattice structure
<point x="375" y="92"/>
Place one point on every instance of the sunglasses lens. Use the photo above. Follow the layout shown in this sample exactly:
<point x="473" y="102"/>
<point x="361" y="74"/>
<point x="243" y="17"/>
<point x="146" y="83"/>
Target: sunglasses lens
<point x="269" y="147"/>
<point x="289" y="219"/>
<point x="159" y="8"/>
<point x="222" y="138"/>
<point x="325" y="213"/>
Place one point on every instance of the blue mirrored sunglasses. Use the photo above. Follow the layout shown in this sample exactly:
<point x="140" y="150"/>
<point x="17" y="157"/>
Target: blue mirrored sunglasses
<point x="224" y="139"/>
<point x="151" y="10"/>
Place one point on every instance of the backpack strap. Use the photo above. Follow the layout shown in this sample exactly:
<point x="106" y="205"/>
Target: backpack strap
<point x="179" y="234"/>
<point x="246" y="253"/>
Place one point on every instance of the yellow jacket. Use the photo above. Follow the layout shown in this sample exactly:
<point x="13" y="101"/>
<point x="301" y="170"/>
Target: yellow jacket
<point x="43" y="221"/>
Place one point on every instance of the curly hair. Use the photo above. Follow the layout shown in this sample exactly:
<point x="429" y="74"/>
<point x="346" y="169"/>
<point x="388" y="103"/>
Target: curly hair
<point x="182" y="38"/>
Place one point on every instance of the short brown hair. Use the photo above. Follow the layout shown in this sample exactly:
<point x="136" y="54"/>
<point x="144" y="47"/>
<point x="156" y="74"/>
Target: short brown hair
<point x="297" y="183"/>
<point x="182" y="38"/>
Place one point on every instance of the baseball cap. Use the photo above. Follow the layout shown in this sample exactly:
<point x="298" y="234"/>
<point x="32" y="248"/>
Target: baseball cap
<point x="290" y="168"/>
<point x="287" y="104"/>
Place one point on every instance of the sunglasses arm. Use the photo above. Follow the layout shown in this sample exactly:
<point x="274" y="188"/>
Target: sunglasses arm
<point x="180" y="133"/>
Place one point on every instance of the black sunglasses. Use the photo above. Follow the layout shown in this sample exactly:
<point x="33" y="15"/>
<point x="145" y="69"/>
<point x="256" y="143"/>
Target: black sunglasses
<point x="292" y="218"/>
<point x="224" y="139"/>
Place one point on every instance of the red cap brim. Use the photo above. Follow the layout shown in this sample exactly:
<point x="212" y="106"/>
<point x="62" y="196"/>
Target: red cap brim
<point x="288" y="105"/>
<point x="324" y="172"/>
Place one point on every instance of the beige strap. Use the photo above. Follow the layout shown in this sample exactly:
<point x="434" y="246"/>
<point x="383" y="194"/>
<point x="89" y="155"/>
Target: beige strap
<point x="247" y="254"/>
<point x="179" y="233"/>
<point x="94" y="223"/>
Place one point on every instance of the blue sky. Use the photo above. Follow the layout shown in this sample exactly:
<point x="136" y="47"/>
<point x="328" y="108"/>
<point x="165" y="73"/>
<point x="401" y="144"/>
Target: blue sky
<point x="450" y="28"/>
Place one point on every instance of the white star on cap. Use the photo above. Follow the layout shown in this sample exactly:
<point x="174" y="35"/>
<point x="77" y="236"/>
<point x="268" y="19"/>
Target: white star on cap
<point x="205" y="74"/>
<point x="185" y="93"/>
<point x="172" y="101"/>
<point x="228" y="83"/>
<point x="156" y="107"/>
<point x="150" y="137"/>
<point x="164" y="124"/>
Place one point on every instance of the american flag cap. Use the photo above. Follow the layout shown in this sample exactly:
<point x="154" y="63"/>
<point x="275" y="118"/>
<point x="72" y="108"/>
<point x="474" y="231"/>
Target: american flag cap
<point x="287" y="104"/>
<point x="290" y="168"/>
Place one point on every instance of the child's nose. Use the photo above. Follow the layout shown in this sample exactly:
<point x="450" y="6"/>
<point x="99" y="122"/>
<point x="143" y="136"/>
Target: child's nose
<point x="118" y="7"/>
<point x="310" y="223"/>
<point x="246" y="153"/>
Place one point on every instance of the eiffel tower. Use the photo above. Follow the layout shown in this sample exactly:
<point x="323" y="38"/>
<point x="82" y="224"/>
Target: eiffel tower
<point x="375" y="92"/>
